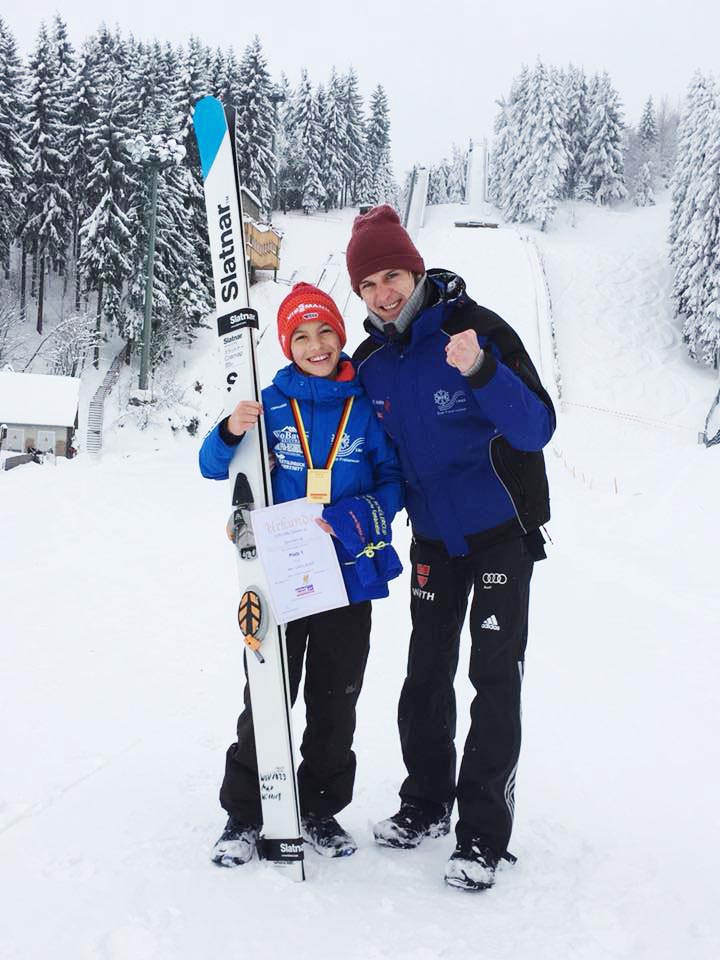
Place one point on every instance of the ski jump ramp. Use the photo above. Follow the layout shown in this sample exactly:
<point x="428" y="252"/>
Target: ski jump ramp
<point x="414" y="217"/>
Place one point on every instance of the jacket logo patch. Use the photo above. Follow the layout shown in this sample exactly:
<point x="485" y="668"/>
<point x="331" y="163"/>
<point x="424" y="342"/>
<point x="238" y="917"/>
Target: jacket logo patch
<point x="489" y="579"/>
<point x="422" y="572"/>
<point x="288" y="449"/>
<point x="449" y="404"/>
<point x="348" y="448"/>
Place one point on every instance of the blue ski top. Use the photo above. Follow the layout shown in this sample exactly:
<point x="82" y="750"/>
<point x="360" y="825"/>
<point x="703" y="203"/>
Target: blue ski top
<point x="367" y="486"/>
<point x="469" y="446"/>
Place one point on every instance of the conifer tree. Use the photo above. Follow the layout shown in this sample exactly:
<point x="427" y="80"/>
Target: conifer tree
<point x="378" y="149"/>
<point x="256" y="119"/>
<point x="647" y="130"/>
<point x="603" y="166"/>
<point x="82" y="116"/>
<point x="14" y="157"/>
<point x="576" y="125"/>
<point x="354" y="139"/>
<point x="334" y="167"/>
<point x="106" y="239"/>
<point x="47" y="227"/>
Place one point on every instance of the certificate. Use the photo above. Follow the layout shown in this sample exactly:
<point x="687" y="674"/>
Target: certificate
<point x="299" y="560"/>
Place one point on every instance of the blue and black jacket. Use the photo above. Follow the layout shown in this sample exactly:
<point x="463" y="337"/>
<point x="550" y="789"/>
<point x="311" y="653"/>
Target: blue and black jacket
<point x="469" y="447"/>
<point x="367" y="485"/>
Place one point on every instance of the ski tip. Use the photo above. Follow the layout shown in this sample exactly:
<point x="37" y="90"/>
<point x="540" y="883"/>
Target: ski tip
<point x="210" y="129"/>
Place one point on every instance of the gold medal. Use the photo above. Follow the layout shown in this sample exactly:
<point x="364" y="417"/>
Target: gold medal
<point x="318" y="486"/>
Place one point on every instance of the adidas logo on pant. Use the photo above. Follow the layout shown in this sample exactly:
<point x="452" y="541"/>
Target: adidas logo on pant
<point x="490" y="624"/>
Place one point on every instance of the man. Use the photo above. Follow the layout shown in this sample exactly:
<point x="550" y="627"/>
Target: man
<point x="455" y="389"/>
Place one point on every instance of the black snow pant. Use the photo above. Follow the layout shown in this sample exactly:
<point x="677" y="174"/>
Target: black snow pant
<point x="337" y="643"/>
<point x="499" y="577"/>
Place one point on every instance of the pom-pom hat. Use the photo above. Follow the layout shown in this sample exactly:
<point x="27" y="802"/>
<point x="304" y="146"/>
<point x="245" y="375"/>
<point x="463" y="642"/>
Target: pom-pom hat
<point x="380" y="242"/>
<point x="307" y="303"/>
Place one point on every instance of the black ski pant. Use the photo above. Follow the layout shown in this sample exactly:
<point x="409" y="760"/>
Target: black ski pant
<point x="499" y="577"/>
<point x="337" y="644"/>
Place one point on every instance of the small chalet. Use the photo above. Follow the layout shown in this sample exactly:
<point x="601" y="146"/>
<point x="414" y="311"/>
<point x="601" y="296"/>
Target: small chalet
<point x="38" y="412"/>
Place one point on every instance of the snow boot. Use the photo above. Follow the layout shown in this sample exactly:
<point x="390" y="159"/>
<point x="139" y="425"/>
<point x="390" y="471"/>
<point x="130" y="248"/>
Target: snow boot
<point x="411" y="824"/>
<point x="327" y="837"/>
<point x="236" y="845"/>
<point x="472" y="866"/>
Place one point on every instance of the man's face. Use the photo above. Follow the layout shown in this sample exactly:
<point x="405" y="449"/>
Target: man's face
<point x="387" y="291"/>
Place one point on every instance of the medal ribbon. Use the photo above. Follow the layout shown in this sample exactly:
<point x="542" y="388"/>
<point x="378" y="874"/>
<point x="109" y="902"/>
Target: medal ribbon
<point x="345" y="416"/>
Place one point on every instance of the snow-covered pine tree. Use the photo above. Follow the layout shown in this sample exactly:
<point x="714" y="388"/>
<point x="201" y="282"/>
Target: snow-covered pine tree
<point x="14" y="156"/>
<point x="501" y="147"/>
<point x="49" y="217"/>
<point x="576" y="108"/>
<point x="106" y="241"/>
<point x="256" y="121"/>
<point x="217" y="72"/>
<point x="457" y="175"/>
<point x="644" y="193"/>
<point x="695" y="220"/>
<point x="647" y="129"/>
<point x="306" y="146"/>
<point x="514" y="160"/>
<point x="354" y="141"/>
<point x="692" y="136"/>
<point x="544" y="145"/>
<point x="384" y="189"/>
<point x="334" y="169"/>
<point x="230" y="81"/>
<point x="82" y="115"/>
<point x="603" y="165"/>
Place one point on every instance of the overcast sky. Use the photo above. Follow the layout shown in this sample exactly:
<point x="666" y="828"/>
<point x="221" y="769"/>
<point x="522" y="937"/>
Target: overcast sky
<point x="442" y="64"/>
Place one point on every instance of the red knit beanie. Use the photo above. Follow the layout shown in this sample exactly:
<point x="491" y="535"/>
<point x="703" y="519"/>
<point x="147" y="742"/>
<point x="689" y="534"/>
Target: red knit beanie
<point x="306" y="302"/>
<point x="380" y="242"/>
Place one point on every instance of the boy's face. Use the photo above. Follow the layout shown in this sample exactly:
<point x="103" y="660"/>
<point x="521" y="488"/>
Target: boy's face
<point x="315" y="348"/>
<point x="387" y="291"/>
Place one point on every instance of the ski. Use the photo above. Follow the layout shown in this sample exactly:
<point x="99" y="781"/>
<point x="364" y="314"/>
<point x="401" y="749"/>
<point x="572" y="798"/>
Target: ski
<point x="266" y="656"/>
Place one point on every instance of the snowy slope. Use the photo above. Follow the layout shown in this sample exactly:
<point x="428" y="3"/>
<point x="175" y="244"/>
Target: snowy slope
<point x="122" y="667"/>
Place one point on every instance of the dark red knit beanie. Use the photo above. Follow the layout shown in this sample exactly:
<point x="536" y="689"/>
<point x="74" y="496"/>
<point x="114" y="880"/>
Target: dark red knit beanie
<point x="306" y="302"/>
<point x="380" y="242"/>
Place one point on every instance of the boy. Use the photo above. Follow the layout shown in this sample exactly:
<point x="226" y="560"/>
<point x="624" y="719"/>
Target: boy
<point x="303" y="409"/>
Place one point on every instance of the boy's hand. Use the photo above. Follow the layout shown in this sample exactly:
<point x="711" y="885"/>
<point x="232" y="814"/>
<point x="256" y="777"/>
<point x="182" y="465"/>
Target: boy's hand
<point x="463" y="350"/>
<point x="244" y="417"/>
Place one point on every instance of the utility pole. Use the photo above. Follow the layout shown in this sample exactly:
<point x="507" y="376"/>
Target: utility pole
<point x="152" y="155"/>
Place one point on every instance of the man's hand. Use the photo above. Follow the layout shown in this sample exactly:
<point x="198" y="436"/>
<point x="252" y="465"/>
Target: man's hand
<point x="463" y="350"/>
<point x="244" y="417"/>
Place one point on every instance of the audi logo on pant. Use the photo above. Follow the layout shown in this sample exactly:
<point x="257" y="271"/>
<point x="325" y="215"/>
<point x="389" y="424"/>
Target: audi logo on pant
<point x="489" y="578"/>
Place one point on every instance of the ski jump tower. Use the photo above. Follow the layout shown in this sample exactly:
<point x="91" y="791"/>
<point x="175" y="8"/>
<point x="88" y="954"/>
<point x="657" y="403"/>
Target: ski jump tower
<point x="415" y="210"/>
<point x="476" y="192"/>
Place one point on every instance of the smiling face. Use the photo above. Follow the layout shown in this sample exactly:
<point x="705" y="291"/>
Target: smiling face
<point x="387" y="291"/>
<point x="315" y="348"/>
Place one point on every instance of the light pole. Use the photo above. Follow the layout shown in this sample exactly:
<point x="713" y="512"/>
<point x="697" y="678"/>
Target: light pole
<point x="276" y="97"/>
<point x="152" y="155"/>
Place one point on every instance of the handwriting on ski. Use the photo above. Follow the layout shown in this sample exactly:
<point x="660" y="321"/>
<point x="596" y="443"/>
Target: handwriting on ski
<point x="271" y="784"/>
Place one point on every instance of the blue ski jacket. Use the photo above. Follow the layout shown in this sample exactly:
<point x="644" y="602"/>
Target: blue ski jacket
<point x="469" y="447"/>
<point x="366" y="464"/>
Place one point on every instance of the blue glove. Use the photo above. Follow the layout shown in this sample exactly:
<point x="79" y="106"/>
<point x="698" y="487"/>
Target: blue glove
<point x="363" y="531"/>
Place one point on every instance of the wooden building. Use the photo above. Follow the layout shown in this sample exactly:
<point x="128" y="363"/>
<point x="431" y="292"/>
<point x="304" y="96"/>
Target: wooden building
<point x="39" y="412"/>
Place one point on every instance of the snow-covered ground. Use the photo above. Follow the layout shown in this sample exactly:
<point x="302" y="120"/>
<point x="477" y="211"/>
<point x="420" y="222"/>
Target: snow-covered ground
<point x="121" y="665"/>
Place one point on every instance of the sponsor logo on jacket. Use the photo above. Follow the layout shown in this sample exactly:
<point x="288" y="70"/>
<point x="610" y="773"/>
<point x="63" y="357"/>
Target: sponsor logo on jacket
<point x="445" y="403"/>
<point x="348" y="448"/>
<point x="288" y="449"/>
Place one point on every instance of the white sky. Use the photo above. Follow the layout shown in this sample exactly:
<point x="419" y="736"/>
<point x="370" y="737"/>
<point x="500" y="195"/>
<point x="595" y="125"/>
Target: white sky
<point x="443" y="64"/>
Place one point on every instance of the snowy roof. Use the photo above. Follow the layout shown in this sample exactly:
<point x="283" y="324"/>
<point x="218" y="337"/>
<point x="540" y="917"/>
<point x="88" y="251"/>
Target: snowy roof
<point x="38" y="398"/>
